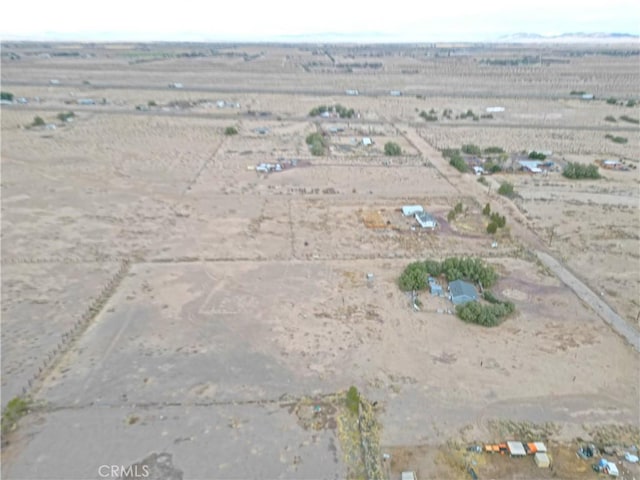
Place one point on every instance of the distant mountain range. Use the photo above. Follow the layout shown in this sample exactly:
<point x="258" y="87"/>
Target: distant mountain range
<point x="570" y="37"/>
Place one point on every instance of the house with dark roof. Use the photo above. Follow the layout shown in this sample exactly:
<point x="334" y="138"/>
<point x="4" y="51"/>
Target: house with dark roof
<point x="461" y="292"/>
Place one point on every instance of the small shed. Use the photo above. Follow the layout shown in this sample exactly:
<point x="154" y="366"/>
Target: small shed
<point x="426" y="220"/>
<point x="516" y="449"/>
<point x="542" y="460"/>
<point x="530" y="166"/>
<point x="411" y="210"/>
<point x="366" y="141"/>
<point x="463" y="292"/>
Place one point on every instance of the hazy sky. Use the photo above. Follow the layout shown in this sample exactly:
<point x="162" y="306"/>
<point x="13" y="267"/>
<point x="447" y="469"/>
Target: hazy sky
<point x="399" y="20"/>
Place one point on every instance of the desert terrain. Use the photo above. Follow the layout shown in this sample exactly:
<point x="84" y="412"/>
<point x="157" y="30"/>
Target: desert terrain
<point x="167" y="305"/>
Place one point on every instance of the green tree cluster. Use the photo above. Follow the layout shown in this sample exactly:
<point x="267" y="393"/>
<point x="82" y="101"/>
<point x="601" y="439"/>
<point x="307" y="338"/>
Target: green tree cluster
<point x="577" y="171"/>
<point x="6" y="96"/>
<point x="343" y="112"/>
<point x="471" y="149"/>
<point x="485" y="315"/>
<point x="506" y="189"/>
<point x="493" y="150"/>
<point x="392" y="149"/>
<point x="537" y="155"/>
<point x="317" y="144"/>
<point x="414" y="276"/>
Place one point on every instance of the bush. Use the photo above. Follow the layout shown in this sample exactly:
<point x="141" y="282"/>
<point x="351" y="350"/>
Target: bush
<point x="459" y="164"/>
<point x="317" y="143"/>
<point x="429" y="117"/>
<point x="612" y="101"/>
<point x="576" y="170"/>
<point x="578" y="92"/>
<point x="450" y="152"/>
<point x="152" y="103"/>
<point x="492" y="228"/>
<point x="37" y="122"/>
<point x="414" y="276"/>
<point x="610" y="118"/>
<point x="65" y="116"/>
<point x="621" y="140"/>
<point x="493" y="150"/>
<point x="6" y="96"/>
<point x="537" y="155"/>
<point x="353" y="400"/>
<point x="471" y="149"/>
<point x="16" y="408"/>
<point x="486" y="210"/>
<point x="392" y="149"/>
<point x="627" y="118"/>
<point x="483" y="181"/>
<point x="485" y="315"/>
<point x="631" y="103"/>
<point x="499" y="220"/>
<point x="506" y="189"/>
<point x="231" y="131"/>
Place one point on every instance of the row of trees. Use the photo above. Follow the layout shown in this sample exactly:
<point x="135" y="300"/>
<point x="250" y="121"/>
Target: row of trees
<point x="343" y="112"/>
<point x="576" y="170"/>
<point x="487" y="315"/>
<point x="414" y="276"/>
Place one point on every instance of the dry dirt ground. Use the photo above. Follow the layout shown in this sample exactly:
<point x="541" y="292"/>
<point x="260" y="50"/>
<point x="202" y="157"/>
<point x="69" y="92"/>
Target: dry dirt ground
<point x="160" y="297"/>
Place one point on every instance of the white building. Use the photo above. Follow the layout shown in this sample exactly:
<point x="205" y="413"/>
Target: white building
<point x="411" y="210"/>
<point x="426" y="220"/>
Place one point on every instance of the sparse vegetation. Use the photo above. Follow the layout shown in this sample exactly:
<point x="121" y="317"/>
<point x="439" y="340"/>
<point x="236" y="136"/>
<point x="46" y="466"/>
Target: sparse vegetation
<point x="631" y="103"/>
<point x="16" y="408"/>
<point x="455" y="211"/>
<point x="616" y="139"/>
<point x="493" y="150"/>
<point x="506" y="189"/>
<point x="230" y="131"/>
<point x="353" y="400"/>
<point x="152" y="103"/>
<point x="610" y="118"/>
<point x="577" y="92"/>
<point x="576" y="170"/>
<point x="486" y="210"/>
<point x="6" y="96"/>
<point x="612" y="101"/>
<point x="483" y="181"/>
<point x="392" y="149"/>
<point x="429" y="117"/>
<point x="628" y="119"/>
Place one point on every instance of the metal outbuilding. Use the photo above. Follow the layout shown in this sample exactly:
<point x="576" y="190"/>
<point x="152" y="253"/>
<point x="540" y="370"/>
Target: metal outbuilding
<point x="463" y="292"/>
<point x="516" y="449"/>
<point x="411" y="210"/>
<point x="542" y="460"/>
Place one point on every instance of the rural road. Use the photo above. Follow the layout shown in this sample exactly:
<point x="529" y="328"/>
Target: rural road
<point x="467" y="185"/>
<point x="588" y="296"/>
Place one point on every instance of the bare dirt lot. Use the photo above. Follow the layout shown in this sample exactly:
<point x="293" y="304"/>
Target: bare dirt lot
<point x="164" y="302"/>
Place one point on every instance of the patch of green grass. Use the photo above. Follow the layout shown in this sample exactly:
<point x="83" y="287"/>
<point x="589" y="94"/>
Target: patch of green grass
<point x="17" y="408"/>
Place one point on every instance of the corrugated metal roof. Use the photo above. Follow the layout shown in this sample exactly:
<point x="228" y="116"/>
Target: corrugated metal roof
<point x="516" y="448"/>
<point x="462" y="292"/>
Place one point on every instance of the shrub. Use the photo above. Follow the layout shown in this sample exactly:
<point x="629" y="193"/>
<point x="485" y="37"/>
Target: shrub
<point x="353" y="400"/>
<point x="610" y="118"/>
<point x="612" y="101"/>
<point x="16" y="408"/>
<point x="152" y="103"/>
<point x="65" y="116"/>
<point x="486" y="210"/>
<point x="499" y="220"/>
<point x="392" y="149"/>
<point x="537" y="155"/>
<point x="576" y="170"/>
<point x="578" y="92"/>
<point x="231" y="131"/>
<point x="506" y="189"/>
<point x="450" y="152"/>
<point x="485" y="315"/>
<point x="459" y="164"/>
<point x="483" y="181"/>
<point x="621" y="140"/>
<point x="6" y="96"/>
<point x="317" y="144"/>
<point x="631" y="103"/>
<point x="37" y="122"/>
<point x="492" y="167"/>
<point x="429" y="117"/>
<point x="471" y="149"/>
<point x="414" y="277"/>
<point x="493" y="150"/>
<point x="628" y="119"/>
<point x="492" y="228"/>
